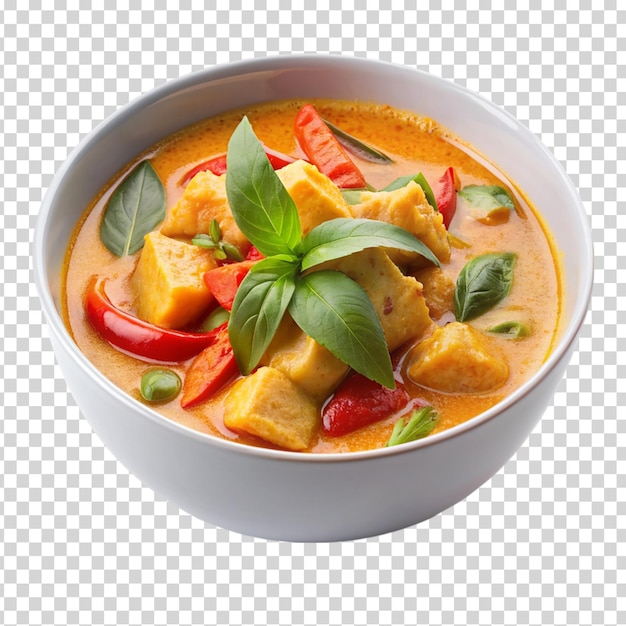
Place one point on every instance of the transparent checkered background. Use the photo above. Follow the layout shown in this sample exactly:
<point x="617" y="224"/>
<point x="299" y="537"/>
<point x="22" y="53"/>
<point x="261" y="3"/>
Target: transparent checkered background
<point x="83" y="542"/>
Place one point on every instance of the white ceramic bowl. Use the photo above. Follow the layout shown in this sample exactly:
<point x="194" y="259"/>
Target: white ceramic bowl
<point x="286" y="495"/>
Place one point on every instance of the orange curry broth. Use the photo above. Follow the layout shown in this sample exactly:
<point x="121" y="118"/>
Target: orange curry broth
<point x="416" y="144"/>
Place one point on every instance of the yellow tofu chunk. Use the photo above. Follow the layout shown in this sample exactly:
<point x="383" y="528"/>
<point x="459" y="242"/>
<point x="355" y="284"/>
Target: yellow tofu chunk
<point x="408" y="208"/>
<point x="308" y="364"/>
<point x="168" y="281"/>
<point x="438" y="290"/>
<point x="269" y="405"/>
<point x="203" y="200"/>
<point x="316" y="197"/>
<point x="398" y="299"/>
<point x="457" y="358"/>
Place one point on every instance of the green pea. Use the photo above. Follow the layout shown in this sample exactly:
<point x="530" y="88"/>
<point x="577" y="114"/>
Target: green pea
<point x="160" y="385"/>
<point x="215" y="318"/>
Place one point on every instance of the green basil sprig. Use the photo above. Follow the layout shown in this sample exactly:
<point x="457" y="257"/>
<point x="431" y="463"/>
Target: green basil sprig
<point x="488" y="197"/>
<point x="327" y="305"/>
<point x="135" y="208"/>
<point x="358" y="147"/>
<point x="421" y="423"/>
<point x="222" y="250"/>
<point x="482" y="283"/>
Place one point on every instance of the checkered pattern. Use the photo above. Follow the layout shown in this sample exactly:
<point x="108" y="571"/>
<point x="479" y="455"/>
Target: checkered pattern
<point x="83" y="542"/>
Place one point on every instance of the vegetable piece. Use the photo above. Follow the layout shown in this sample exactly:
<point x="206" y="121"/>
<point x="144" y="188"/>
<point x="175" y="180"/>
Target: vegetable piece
<point x="222" y="250"/>
<point x="336" y="312"/>
<point x="360" y="401"/>
<point x="446" y="196"/>
<point x="357" y="147"/>
<point x="134" y="209"/>
<point x="215" y="318"/>
<point x="254" y="254"/>
<point x="492" y="204"/>
<point x="324" y="151"/>
<point x="224" y="281"/>
<point x="482" y="283"/>
<point x="341" y="237"/>
<point x="217" y="164"/>
<point x="258" y="308"/>
<point x="260" y="204"/>
<point x="137" y="337"/>
<point x="515" y="330"/>
<point x="420" y="423"/>
<point x="420" y="179"/>
<point x="408" y="208"/>
<point x="211" y="370"/>
<point x="160" y="385"/>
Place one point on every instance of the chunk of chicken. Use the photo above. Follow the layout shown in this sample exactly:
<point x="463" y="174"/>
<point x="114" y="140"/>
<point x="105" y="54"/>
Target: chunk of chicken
<point x="203" y="200"/>
<point x="316" y="197"/>
<point x="168" y="281"/>
<point x="457" y="358"/>
<point x="269" y="405"/>
<point x="408" y="208"/>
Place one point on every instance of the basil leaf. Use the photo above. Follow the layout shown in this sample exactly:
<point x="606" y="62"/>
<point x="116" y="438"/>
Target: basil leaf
<point x="336" y="312"/>
<point x="482" y="283"/>
<point x="258" y="308"/>
<point x="135" y="208"/>
<point x="343" y="236"/>
<point x="421" y="423"/>
<point x="420" y="179"/>
<point x="515" y="330"/>
<point x="488" y="197"/>
<point x="358" y="147"/>
<point x="260" y="204"/>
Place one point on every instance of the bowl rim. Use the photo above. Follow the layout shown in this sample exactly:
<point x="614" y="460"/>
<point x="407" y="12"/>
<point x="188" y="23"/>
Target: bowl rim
<point x="564" y="342"/>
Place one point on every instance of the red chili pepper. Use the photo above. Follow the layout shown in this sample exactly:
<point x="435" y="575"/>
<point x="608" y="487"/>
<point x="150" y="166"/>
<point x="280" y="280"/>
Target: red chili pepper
<point x="213" y="368"/>
<point x="324" y="151"/>
<point x="360" y="401"/>
<point x="446" y="196"/>
<point x="217" y="164"/>
<point x="224" y="281"/>
<point x="139" y="338"/>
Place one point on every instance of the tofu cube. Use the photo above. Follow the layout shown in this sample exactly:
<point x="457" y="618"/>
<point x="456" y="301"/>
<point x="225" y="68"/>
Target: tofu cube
<point x="269" y="405"/>
<point x="316" y="197"/>
<point x="438" y="290"/>
<point x="168" y="281"/>
<point x="203" y="200"/>
<point x="308" y="364"/>
<point x="398" y="299"/>
<point x="408" y="208"/>
<point x="457" y="358"/>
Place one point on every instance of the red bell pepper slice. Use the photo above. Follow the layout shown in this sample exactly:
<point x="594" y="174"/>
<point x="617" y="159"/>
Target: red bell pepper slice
<point x="136" y="337"/>
<point x="254" y="254"/>
<point x="446" y="196"/>
<point x="211" y="370"/>
<point x="324" y="151"/>
<point x="217" y="164"/>
<point x="360" y="401"/>
<point x="224" y="281"/>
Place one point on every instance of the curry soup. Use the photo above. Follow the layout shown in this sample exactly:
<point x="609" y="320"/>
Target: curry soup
<point x="450" y="349"/>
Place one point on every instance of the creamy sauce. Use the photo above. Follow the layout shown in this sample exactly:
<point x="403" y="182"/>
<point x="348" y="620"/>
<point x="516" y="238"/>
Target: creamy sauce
<point x="416" y="144"/>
